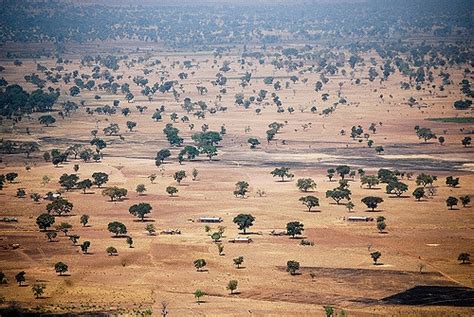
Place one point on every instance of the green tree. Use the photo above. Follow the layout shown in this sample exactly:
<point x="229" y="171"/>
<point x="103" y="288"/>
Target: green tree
<point x="20" y="277"/>
<point x="370" y="180"/>
<point x="465" y="200"/>
<point x="282" y="172"/>
<point x="179" y="176"/>
<point x="464" y="257"/>
<point x="241" y="188"/>
<point x="162" y="155"/>
<point x="59" y="206"/>
<point x="253" y="142"/>
<point x="115" y="193"/>
<point x="130" y="242"/>
<point x="232" y="286"/>
<point x="68" y="181"/>
<point x="141" y="189"/>
<point x="331" y="172"/>
<point x="51" y="235"/>
<point x="171" y="190"/>
<point x="198" y="294"/>
<point x="111" y="251"/>
<point x="397" y="188"/>
<point x="85" y="246"/>
<point x="419" y="193"/>
<point x="244" y="221"/>
<point x="310" y="202"/>
<point x="375" y="256"/>
<point x="343" y="170"/>
<point x="292" y="267"/>
<point x="199" y="264"/>
<point x="84" y="185"/>
<point x="131" y="125"/>
<point x="117" y="228"/>
<point x="84" y="220"/>
<point x="294" y="228"/>
<point x="47" y="120"/>
<point x="372" y="202"/>
<point x="44" y="221"/>
<point x="60" y="268"/>
<point x="338" y="194"/>
<point x="451" y="202"/>
<point x="238" y="261"/>
<point x="305" y="184"/>
<point x="140" y="210"/>
<point x="38" y="289"/>
<point x="64" y="227"/>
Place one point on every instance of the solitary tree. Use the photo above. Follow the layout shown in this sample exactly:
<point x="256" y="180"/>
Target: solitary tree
<point x="117" y="228"/>
<point x="232" y="286"/>
<point x="100" y="178"/>
<point x="419" y="193"/>
<point x="20" y="277"/>
<point x="179" y="176"/>
<point x="84" y="220"/>
<point x="375" y="256"/>
<point x="292" y="267"/>
<point x="451" y="202"/>
<point x="140" y="210"/>
<point x="64" y="227"/>
<point x="370" y="180"/>
<point x="199" y="264"/>
<point x="309" y="201"/>
<point x="464" y="257"/>
<point x="198" y="294"/>
<point x="282" y="172"/>
<point x="397" y="188"/>
<point x="130" y="242"/>
<point x="241" y="188"/>
<point x="294" y="228"/>
<point x="84" y="185"/>
<point x="305" y="184"/>
<point x="465" y="200"/>
<point x="372" y="202"/>
<point x="59" y="206"/>
<point x="141" y="189"/>
<point x="44" y="221"/>
<point x="171" y="190"/>
<point x="47" y="120"/>
<point x="38" y="289"/>
<point x="85" y="246"/>
<point x="343" y="170"/>
<point x="60" y="268"/>
<point x="238" y="261"/>
<point x="244" y="221"/>
<point x="111" y="251"/>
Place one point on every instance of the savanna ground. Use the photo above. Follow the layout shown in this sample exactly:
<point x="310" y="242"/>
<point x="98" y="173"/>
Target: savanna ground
<point x="160" y="268"/>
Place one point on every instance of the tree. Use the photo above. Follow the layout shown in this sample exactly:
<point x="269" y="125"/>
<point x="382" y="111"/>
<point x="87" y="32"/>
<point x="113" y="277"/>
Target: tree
<point x="238" y="261"/>
<point x="150" y="228"/>
<point x="451" y="202"/>
<point x="51" y="235"/>
<point x="216" y="236"/>
<point x="117" y="228"/>
<point x="372" y="202"/>
<point x="100" y="178"/>
<point x="68" y="181"/>
<point x="84" y="220"/>
<point x="419" y="193"/>
<point x="59" y="206"/>
<point x="140" y="210"/>
<point x="111" y="251"/>
<point x="35" y="196"/>
<point x="379" y="149"/>
<point x="20" y="277"/>
<point x="141" y="189"/>
<point x="310" y="202"/>
<point x="329" y="311"/>
<point x="44" y="221"/>
<point x="130" y="242"/>
<point x="338" y="194"/>
<point x="466" y="141"/>
<point x="292" y="267"/>
<point x="64" y="227"/>
<point x="74" y="238"/>
<point x="343" y="170"/>
<point x="381" y="224"/>
<point x="350" y="206"/>
<point x="425" y="133"/>
<point x="220" y="248"/>
<point x="84" y="184"/>
<point x="85" y="246"/>
<point x="60" y="268"/>
<point x="38" y="289"/>
<point x="281" y="172"/>
<point x="241" y="188"/>
<point x="131" y="125"/>
<point x="294" y="228"/>
<point x="330" y="174"/>
<point x="198" y="294"/>
<point x="253" y="142"/>
<point x="244" y="221"/>
<point x="370" y="180"/>
<point x="115" y="193"/>
<point x="199" y="264"/>
<point x="464" y="257"/>
<point x="179" y="176"/>
<point x="10" y="177"/>
<point x="162" y="155"/>
<point x="305" y="184"/>
<point x="171" y="190"/>
<point x="452" y="182"/>
<point x="397" y="188"/>
<point x="152" y="178"/>
<point x="465" y="200"/>
<point x="195" y="173"/>
<point x="232" y="286"/>
<point x="209" y="151"/>
<point x="375" y="256"/>
<point x="47" y="120"/>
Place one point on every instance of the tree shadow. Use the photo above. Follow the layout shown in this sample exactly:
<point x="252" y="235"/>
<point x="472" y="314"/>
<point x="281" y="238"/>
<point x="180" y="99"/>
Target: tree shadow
<point x="144" y="220"/>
